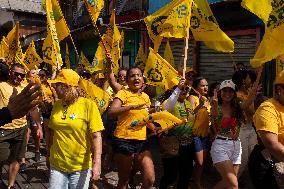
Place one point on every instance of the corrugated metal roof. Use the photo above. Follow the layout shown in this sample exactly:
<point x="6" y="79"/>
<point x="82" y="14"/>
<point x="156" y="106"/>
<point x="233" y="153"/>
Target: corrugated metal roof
<point x="32" y="6"/>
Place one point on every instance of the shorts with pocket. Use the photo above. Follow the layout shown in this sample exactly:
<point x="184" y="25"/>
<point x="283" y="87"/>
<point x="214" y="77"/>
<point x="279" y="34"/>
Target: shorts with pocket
<point x="128" y="146"/>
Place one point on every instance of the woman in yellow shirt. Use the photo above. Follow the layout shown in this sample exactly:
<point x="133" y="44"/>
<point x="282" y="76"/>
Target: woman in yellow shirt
<point x="128" y="106"/>
<point x="75" y="136"/>
<point x="269" y="123"/>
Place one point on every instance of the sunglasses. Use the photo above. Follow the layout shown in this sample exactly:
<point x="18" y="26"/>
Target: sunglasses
<point x="17" y="74"/>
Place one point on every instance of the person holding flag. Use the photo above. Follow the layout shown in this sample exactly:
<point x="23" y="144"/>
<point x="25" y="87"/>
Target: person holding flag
<point x="130" y="105"/>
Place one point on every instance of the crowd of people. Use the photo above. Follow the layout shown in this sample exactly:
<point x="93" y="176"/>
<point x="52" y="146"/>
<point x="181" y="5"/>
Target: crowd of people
<point x="230" y="122"/>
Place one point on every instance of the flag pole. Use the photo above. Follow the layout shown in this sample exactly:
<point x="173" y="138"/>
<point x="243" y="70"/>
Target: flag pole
<point x="185" y="57"/>
<point x="76" y="51"/>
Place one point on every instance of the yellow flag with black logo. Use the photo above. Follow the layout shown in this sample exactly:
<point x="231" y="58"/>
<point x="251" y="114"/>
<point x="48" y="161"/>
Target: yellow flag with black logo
<point x="13" y="42"/>
<point x="159" y="72"/>
<point x="67" y="57"/>
<point x="31" y="59"/>
<point x="99" y="60"/>
<point x="95" y="93"/>
<point x="141" y="58"/>
<point x="172" y="20"/>
<point x="4" y="48"/>
<point x="94" y="8"/>
<point x="50" y="53"/>
<point x="55" y="20"/>
<point x="168" y="54"/>
<point x="205" y="28"/>
<point x="279" y="64"/>
<point x="272" y="44"/>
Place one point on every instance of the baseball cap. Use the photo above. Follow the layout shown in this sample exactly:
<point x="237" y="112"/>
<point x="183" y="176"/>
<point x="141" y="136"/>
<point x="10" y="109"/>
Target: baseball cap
<point x="227" y="83"/>
<point x="67" y="76"/>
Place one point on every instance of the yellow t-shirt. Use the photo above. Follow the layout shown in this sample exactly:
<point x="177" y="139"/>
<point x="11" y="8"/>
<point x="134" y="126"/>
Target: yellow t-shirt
<point x="248" y="116"/>
<point x="6" y="90"/>
<point x="124" y="120"/>
<point x="71" y="150"/>
<point x="270" y="117"/>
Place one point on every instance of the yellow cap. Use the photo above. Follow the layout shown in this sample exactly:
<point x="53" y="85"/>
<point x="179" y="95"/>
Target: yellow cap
<point x="279" y="78"/>
<point x="66" y="76"/>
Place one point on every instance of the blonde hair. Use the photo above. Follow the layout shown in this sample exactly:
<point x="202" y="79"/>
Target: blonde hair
<point x="72" y="94"/>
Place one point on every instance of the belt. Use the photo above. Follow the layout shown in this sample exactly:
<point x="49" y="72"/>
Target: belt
<point x="225" y="138"/>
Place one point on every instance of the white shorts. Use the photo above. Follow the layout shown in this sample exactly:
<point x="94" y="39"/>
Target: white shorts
<point x="222" y="150"/>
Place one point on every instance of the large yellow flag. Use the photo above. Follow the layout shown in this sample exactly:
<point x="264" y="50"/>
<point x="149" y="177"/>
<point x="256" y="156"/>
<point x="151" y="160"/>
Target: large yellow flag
<point x="94" y="8"/>
<point x="172" y="20"/>
<point x="4" y="48"/>
<point x="205" y="28"/>
<point x="51" y="54"/>
<point x="159" y="72"/>
<point x="13" y="42"/>
<point x="141" y="58"/>
<point x="272" y="44"/>
<point x="55" y="20"/>
<point x="67" y="57"/>
<point x="31" y="59"/>
<point x="95" y="93"/>
<point x="168" y="54"/>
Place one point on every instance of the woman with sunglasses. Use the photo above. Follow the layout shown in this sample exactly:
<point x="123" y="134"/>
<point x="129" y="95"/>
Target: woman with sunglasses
<point x="227" y="116"/>
<point x="180" y="165"/>
<point x="75" y="136"/>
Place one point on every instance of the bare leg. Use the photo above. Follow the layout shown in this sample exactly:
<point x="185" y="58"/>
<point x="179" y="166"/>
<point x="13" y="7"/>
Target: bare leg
<point x="124" y="165"/>
<point x="147" y="166"/>
<point x="13" y="171"/>
<point x="28" y="138"/>
<point x="228" y="173"/>
<point x="198" y="167"/>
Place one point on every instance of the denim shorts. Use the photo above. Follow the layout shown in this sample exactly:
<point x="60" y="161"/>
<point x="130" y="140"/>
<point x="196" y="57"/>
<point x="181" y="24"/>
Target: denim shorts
<point x="128" y="146"/>
<point x="201" y="143"/>
<point x="63" y="180"/>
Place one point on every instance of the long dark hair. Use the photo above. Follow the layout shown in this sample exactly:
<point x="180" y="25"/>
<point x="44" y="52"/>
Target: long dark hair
<point x="195" y="84"/>
<point x="235" y="104"/>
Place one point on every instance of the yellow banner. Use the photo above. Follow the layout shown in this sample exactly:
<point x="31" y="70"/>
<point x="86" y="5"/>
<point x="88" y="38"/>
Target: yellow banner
<point x="50" y="53"/>
<point x="95" y="93"/>
<point x="84" y="60"/>
<point x="261" y="8"/>
<point x="168" y="55"/>
<point x="94" y="8"/>
<point x="4" y="48"/>
<point x="56" y="21"/>
<point x="159" y="72"/>
<point x="272" y="44"/>
<point x="172" y="20"/>
<point x="31" y="59"/>
<point x="205" y="28"/>
<point x="13" y="42"/>
<point x="67" y="57"/>
<point x="141" y="58"/>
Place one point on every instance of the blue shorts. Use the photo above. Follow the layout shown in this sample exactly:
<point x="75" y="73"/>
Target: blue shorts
<point x="128" y="146"/>
<point x="201" y="143"/>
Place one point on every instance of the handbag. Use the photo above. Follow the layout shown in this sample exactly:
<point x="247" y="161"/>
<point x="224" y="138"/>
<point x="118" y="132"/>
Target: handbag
<point x="169" y="146"/>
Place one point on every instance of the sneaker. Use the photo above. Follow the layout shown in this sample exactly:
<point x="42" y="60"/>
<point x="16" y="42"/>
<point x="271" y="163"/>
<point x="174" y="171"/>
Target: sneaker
<point x="23" y="167"/>
<point x="37" y="156"/>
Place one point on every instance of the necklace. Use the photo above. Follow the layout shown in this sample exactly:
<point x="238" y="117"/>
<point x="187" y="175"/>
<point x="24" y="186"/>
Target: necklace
<point x="65" y="108"/>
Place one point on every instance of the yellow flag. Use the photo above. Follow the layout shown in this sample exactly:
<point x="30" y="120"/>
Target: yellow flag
<point x="272" y="44"/>
<point x="31" y="59"/>
<point x="50" y="53"/>
<point x="67" y="57"/>
<point x="122" y="43"/>
<point x="159" y="72"/>
<point x="279" y="64"/>
<point x="141" y="58"/>
<point x="95" y="93"/>
<point x="99" y="61"/>
<point x="94" y="8"/>
<point x="172" y="20"/>
<point x="205" y="28"/>
<point x="13" y="42"/>
<point x="84" y="60"/>
<point x="56" y="21"/>
<point x="261" y="8"/>
<point x="168" y="54"/>
<point x="4" y="48"/>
